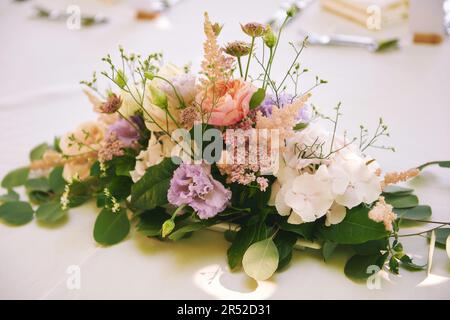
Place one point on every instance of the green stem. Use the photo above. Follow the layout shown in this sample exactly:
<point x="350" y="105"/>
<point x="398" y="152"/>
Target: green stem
<point x="420" y="233"/>
<point x="249" y="58"/>
<point x="180" y="99"/>
<point x="240" y="66"/>
<point x="421" y="167"/>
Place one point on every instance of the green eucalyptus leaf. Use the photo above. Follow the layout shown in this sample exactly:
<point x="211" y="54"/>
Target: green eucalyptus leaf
<point x="393" y="265"/>
<point x="11" y="195"/>
<point x="151" y="190"/>
<point x="111" y="227"/>
<point x="151" y="221"/>
<point x="16" y="212"/>
<point x="15" y="178"/>
<point x="354" y="229"/>
<point x="397" y="190"/>
<point x="37" y="152"/>
<point x="257" y="98"/>
<point x="441" y="236"/>
<point x="39" y="197"/>
<point x="38" y="184"/>
<point x="328" y="249"/>
<point x="120" y="187"/>
<point x="56" y="180"/>
<point x="360" y="267"/>
<point x="50" y="212"/>
<point x="260" y="260"/>
<point x="402" y="201"/>
<point x="420" y="212"/>
<point x="244" y="238"/>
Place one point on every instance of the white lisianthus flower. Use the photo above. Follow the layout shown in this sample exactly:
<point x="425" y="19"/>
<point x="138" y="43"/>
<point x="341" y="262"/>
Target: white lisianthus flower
<point x="307" y="197"/>
<point x="157" y="118"/>
<point x="307" y="146"/>
<point x="353" y="182"/>
<point x="157" y="150"/>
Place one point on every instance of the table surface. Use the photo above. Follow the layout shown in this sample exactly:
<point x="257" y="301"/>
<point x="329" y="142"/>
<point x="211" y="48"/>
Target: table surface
<point x="42" y="63"/>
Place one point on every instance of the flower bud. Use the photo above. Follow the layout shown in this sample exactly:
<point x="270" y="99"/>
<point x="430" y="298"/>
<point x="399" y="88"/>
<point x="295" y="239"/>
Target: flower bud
<point x="237" y="48"/>
<point x="167" y="227"/>
<point x="270" y="39"/>
<point x="217" y="28"/>
<point x="112" y="104"/>
<point x="159" y="98"/>
<point x="254" y="29"/>
<point x="292" y="11"/>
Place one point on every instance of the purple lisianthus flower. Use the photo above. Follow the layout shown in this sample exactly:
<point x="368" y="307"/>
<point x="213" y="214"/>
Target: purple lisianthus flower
<point x="304" y="114"/>
<point x="125" y="132"/>
<point x="193" y="185"/>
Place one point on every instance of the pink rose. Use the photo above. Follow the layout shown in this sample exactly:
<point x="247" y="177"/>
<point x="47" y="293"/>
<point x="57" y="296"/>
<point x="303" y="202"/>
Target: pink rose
<point x="226" y="103"/>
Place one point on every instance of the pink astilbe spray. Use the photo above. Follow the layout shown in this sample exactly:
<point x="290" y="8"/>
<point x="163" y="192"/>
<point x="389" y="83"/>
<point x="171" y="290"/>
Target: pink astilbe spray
<point x="216" y="66"/>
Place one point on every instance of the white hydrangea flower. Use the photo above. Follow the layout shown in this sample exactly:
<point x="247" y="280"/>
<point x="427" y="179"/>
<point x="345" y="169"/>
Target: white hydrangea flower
<point x="309" y="196"/>
<point x="353" y="182"/>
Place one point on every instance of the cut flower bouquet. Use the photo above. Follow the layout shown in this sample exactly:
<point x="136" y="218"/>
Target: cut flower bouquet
<point x="173" y="152"/>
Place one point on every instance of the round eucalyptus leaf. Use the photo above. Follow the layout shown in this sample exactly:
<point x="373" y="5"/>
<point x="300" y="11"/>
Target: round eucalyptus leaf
<point x="16" y="212"/>
<point x="260" y="261"/>
<point x="111" y="227"/>
<point x="50" y="212"/>
<point x="15" y="178"/>
<point x="37" y="152"/>
<point x="415" y="213"/>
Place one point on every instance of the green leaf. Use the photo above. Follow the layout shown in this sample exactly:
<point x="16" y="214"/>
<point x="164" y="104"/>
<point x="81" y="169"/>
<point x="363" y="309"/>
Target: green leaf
<point x="285" y="242"/>
<point x="300" y="126"/>
<point x="123" y="165"/>
<point x="121" y="79"/>
<point x="244" y="238"/>
<point x="420" y="212"/>
<point x="110" y="227"/>
<point x="257" y="98"/>
<point x="371" y="247"/>
<point x="39" y="197"/>
<point x="120" y="187"/>
<point x="151" y="190"/>
<point x="37" y="152"/>
<point x="397" y="190"/>
<point x="10" y="196"/>
<point x="16" y="212"/>
<point x="38" y="184"/>
<point x="361" y="267"/>
<point x="284" y="262"/>
<point x="56" y="180"/>
<point x="15" y="178"/>
<point x="393" y="265"/>
<point x="260" y="261"/>
<point x="442" y="164"/>
<point x="355" y="228"/>
<point x="230" y="235"/>
<point x="305" y="229"/>
<point x="192" y="227"/>
<point x="402" y="201"/>
<point x="328" y="249"/>
<point x="151" y="221"/>
<point x="441" y="236"/>
<point x="50" y="212"/>
<point x="408" y="263"/>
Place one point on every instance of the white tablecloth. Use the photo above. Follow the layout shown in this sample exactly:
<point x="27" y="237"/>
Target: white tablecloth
<point x="41" y="65"/>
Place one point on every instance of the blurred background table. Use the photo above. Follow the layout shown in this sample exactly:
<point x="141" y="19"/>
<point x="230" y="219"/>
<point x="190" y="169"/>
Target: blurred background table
<point x="41" y="64"/>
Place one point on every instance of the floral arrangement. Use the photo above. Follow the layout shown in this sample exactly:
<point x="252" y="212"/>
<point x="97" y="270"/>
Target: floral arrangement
<point x="173" y="152"/>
